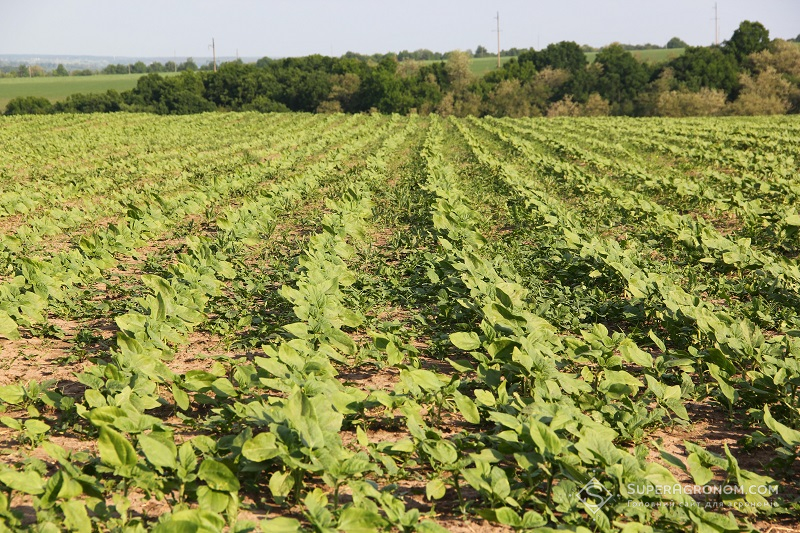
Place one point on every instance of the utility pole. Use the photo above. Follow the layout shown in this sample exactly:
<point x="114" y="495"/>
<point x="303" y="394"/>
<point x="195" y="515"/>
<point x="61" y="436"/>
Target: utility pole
<point x="214" y="52"/>
<point x="498" y="38"/>
<point x="716" y="25"/>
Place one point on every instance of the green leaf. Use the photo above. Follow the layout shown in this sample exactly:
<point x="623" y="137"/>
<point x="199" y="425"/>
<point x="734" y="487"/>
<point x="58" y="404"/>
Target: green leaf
<point x="12" y="394"/>
<point x="467" y="408"/>
<point x="301" y="414"/>
<point x="316" y="503"/>
<point x="499" y="482"/>
<point x="13" y="423"/>
<point x="435" y="489"/>
<point x="359" y="520"/>
<point x="429" y="526"/>
<point x="508" y="517"/>
<point x="94" y="398"/>
<point x="467" y="341"/>
<point x="789" y="436"/>
<point x="223" y="388"/>
<point x="29" y="482"/>
<point x="281" y="524"/>
<point x="36" y="427"/>
<point x="8" y="328"/>
<point x="425" y="379"/>
<point x="212" y="500"/>
<point x="191" y="521"/>
<point x="545" y="438"/>
<point x="700" y="473"/>
<point x="793" y="220"/>
<point x="724" y="383"/>
<point x="76" y="517"/>
<point x="280" y="484"/>
<point x="485" y="398"/>
<point x="218" y="476"/>
<point x="532" y="519"/>
<point x="298" y="329"/>
<point x="260" y="448"/>
<point x="107" y="414"/>
<point x="181" y="398"/>
<point x="158" y="453"/>
<point x="633" y="354"/>
<point x="115" y="450"/>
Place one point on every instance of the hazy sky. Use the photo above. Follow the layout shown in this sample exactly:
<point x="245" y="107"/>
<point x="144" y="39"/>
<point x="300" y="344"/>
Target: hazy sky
<point x="279" y="28"/>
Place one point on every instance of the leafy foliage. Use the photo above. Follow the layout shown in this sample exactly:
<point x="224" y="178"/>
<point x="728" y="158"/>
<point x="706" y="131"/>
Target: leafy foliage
<point x="540" y="303"/>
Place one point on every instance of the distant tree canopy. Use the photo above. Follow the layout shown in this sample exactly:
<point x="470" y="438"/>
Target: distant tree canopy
<point x="622" y="79"/>
<point x="675" y="42"/>
<point x="702" y="66"/>
<point x="29" y="105"/>
<point x="565" y="55"/>
<point x="481" y="51"/>
<point x="748" y="38"/>
<point x="748" y="74"/>
<point x="189" y="65"/>
<point x="108" y="102"/>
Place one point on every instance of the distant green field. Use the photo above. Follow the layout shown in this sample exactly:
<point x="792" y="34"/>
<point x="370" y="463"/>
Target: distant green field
<point x="482" y="65"/>
<point x="647" y="56"/>
<point x="59" y="88"/>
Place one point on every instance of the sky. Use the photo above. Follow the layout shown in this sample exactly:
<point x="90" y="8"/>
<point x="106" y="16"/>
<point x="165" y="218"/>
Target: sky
<point x="282" y="28"/>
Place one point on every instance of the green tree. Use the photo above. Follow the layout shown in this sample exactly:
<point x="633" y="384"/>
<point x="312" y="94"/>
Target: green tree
<point x="108" y="102"/>
<point x="675" y="42"/>
<point x="749" y="38"/>
<point x="769" y="93"/>
<point x="781" y="55"/>
<point x="189" y="65"/>
<point x="183" y="95"/>
<point x="583" y="83"/>
<point x="705" y="102"/>
<point x="459" y="71"/>
<point x="60" y="70"/>
<point x="302" y="89"/>
<point x="28" y="105"/>
<point x="704" y="66"/>
<point x="116" y="69"/>
<point x="622" y="80"/>
<point x="148" y="92"/>
<point x="481" y="51"/>
<point x="384" y="90"/>
<point x="565" y="55"/>
<point x="344" y="87"/>
<point x="508" y="99"/>
<point x="512" y="69"/>
<point x="264" y="104"/>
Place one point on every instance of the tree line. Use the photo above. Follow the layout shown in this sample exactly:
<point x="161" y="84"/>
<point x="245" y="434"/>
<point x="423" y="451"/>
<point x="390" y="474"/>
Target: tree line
<point x="747" y="74"/>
